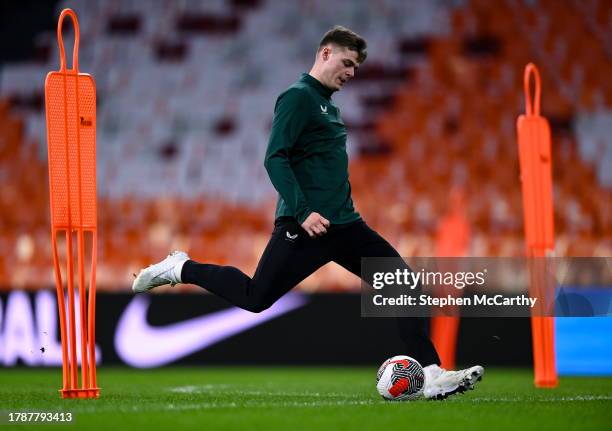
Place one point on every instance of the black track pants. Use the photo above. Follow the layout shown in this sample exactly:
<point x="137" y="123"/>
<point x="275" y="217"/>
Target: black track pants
<point x="290" y="257"/>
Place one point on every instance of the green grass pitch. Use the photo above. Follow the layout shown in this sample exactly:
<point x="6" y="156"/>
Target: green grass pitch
<point x="292" y="398"/>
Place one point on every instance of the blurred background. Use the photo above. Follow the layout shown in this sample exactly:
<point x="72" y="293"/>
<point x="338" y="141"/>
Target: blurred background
<point x="186" y="92"/>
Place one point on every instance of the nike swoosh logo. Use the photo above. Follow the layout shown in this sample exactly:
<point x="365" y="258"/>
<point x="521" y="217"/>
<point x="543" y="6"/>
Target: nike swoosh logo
<point x="141" y="345"/>
<point x="294" y="236"/>
<point x="323" y="109"/>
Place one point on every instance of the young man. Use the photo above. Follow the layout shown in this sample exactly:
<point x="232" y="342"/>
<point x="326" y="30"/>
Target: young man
<point x="316" y="221"/>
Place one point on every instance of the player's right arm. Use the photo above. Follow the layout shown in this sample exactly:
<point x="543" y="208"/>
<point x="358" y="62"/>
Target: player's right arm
<point x="290" y="119"/>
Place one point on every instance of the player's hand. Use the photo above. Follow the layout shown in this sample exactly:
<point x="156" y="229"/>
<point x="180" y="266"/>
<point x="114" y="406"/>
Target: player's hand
<point x="316" y="225"/>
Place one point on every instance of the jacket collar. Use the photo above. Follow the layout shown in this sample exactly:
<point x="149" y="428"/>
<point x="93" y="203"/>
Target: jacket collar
<point x="316" y="84"/>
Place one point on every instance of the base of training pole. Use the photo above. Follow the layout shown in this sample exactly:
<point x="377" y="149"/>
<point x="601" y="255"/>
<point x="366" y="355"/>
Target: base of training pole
<point x="80" y="393"/>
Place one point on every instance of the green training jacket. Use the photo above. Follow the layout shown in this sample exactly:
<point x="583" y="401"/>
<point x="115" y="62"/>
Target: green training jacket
<point x="306" y="157"/>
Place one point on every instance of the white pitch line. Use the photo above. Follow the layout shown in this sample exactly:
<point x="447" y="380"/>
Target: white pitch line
<point x="542" y="400"/>
<point x="229" y="389"/>
<point x="198" y="406"/>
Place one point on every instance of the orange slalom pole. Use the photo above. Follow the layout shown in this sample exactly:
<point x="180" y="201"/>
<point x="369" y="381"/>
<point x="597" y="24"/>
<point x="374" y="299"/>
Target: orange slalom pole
<point x="83" y="312"/>
<point x="91" y="324"/>
<point x="81" y="252"/>
<point x="536" y="180"/>
<point x="61" y="309"/>
<point x="444" y="333"/>
<point x="452" y="240"/>
<point x="70" y="101"/>
<point x="73" y="381"/>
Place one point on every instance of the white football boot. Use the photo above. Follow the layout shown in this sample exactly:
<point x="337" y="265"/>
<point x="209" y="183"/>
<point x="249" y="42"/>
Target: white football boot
<point x="440" y="383"/>
<point x="168" y="271"/>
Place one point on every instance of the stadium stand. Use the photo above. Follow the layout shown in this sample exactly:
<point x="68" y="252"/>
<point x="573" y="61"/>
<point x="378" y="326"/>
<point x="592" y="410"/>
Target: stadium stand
<point x="185" y="99"/>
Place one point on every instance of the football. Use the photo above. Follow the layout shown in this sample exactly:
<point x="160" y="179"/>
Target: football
<point x="400" y="378"/>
